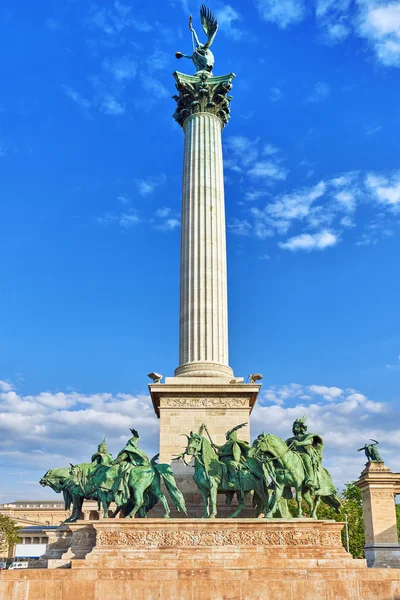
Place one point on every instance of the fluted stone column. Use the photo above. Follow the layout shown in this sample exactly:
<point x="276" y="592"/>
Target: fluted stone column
<point x="203" y="389"/>
<point x="203" y="110"/>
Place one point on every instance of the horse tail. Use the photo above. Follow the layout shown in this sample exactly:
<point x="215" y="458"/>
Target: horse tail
<point x="333" y="501"/>
<point x="168" y="477"/>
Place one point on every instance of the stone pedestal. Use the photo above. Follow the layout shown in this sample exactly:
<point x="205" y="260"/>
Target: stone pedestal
<point x="196" y="559"/>
<point x="184" y="403"/>
<point x="378" y="487"/>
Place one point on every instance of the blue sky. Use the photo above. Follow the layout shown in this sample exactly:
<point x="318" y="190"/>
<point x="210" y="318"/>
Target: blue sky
<point x="90" y="178"/>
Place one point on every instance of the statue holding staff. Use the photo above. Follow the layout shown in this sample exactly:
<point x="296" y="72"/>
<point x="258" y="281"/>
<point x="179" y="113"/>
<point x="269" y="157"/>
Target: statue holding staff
<point x="371" y="451"/>
<point x="202" y="56"/>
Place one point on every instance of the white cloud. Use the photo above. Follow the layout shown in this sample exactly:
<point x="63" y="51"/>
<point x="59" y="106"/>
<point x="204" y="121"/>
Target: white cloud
<point x="281" y="12"/>
<point x="240" y="227"/>
<point x="320" y="91"/>
<point x="296" y="205"/>
<point x="158" y="60"/>
<point x="371" y="130"/>
<point x="228" y="20"/>
<point x="80" y="100"/>
<point x="380" y="25"/>
<point x="269" y="170"/>
<point x="154" y="87"/>
<point x="275" y="94"/>
<point x="125" y="220"/>
<point x="332" y="18"/>
<point x="270" y="150"/>
<point x="347" y="200"/>
<point x="377" y="21"/>
<point x="306" y="241"/>
<point x="241" y="151"/>
<point x="329" y="393"/>
<point x="122" y="69"/>
<point x="163" y="212"/>
<point x="111" y="106"/>
<point x="5" y="386"/>
<point x="324" y="212"/>
<point x="168" y="224"/>
<point x="245" y="156"/>
<point x="115" y="18"/>
<point x="385" y="189"/>
<point x="147" y="186"/>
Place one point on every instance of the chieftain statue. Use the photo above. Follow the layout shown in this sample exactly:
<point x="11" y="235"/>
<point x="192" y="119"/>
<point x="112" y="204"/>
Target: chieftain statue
<point x="309" y="446"/>
<point x="271" y="468"/>
<point x="102" y="456"/>
<point x="211" y="463"/>
<point x="296" y="464"/>
<point x="132" y="481"/>
<point x="202" y="56"/>
<point x="371" y="452"/>
<point x="233" y="455"/>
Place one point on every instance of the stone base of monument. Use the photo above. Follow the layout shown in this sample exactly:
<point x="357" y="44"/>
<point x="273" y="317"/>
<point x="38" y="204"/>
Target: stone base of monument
<point x="193" y="559"/>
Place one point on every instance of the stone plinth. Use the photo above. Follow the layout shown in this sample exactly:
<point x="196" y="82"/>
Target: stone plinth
<point x="378" y="487"/>
<point x="183" y="404"/>
<point x="258" y="559"/>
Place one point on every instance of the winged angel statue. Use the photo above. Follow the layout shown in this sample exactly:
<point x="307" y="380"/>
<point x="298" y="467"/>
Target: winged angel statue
<point x="202" y="56"/>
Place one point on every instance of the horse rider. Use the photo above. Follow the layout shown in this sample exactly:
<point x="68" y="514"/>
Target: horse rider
<point x="309" y="446"/>
<point x="102" y="456"/>
<point x="233" y="455"/>
<point x="130" y="456"/>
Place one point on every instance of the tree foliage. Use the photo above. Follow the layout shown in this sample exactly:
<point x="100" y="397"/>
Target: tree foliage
<point x="8" y="532"/>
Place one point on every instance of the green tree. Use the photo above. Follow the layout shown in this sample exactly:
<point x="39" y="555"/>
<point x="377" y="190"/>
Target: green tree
<point x="8" y="533"/>
<point x="351" y="510"/>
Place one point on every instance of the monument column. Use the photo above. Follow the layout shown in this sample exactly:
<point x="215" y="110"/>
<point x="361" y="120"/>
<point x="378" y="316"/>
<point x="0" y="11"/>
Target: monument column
<point x="203" y="110"/>
<point x="204" y="389"/>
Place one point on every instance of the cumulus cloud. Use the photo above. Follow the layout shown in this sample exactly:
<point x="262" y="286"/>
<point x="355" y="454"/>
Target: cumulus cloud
<point x="376" y="21"/>
<point x="306" y="241"/>
<point x="275" y="94"/>
<point x="111" y="106"/>
<point x="323" y="212"/>
<point x="385" y="189"/>
<point x="319" y="91"/>
<point x="380" y="25"/>
<point x="167" y="219"/>
<point x="228" y="20"/>
<point x="122" y="68"/>
<point x="282" y="13"/>
<point x="76" y="97"/>
<point x="147" y="185"/>
<point x="154" y="87"/>
<point x="158" y="60"/>
<point x="246" y="156"/>
<point x="5" y="386"/>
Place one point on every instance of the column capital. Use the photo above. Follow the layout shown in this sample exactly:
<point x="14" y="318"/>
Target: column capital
<point x="202" y="93"/>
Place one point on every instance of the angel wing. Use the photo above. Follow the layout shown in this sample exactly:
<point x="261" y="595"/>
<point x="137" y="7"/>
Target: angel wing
<point x="209" y="24"/>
